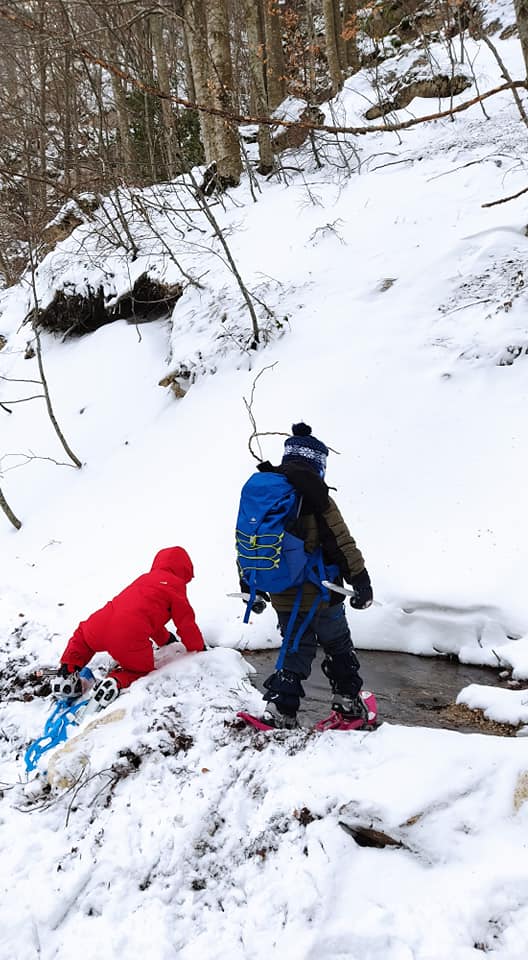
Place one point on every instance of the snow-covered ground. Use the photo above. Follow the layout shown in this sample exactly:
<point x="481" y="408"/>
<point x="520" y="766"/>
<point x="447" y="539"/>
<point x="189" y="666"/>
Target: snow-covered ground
<point x="397" y="327"/>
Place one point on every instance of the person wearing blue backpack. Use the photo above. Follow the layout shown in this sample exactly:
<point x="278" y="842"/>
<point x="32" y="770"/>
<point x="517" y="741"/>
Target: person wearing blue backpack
<point x="291" y="537"/>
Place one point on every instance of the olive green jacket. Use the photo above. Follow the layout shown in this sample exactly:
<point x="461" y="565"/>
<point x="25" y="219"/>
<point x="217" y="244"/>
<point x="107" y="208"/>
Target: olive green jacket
<point x="330" y="531"/>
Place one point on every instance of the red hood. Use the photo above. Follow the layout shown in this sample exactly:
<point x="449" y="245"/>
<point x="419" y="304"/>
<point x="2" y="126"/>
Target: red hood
<point x="176" y="560"/>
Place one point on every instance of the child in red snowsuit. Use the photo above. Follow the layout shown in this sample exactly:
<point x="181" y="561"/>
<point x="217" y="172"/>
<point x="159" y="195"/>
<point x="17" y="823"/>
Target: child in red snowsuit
<point x="126" y="625"/>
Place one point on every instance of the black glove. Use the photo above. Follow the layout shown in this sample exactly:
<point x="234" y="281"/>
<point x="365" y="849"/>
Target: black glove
<point x="172" y="639"/>
<point x="65" y="671"/>
<point x="261" y="598"/>
<point x="259" y="604"/>
<point x="363" y="595"/>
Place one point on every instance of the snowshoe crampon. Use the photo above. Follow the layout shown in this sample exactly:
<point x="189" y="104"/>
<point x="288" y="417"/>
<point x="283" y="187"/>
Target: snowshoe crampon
<point x="56" y="730"/>
<point x="66" y="714"/>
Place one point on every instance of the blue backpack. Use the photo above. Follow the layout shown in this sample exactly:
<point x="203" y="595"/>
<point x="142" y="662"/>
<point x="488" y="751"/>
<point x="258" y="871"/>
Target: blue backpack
<point x="270" y="556"/>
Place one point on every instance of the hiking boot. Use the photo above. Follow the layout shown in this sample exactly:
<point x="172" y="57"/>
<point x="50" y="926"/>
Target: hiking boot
<point x="272" y="717"/>
<point x="350" y="708"/>
<point x="106" y="691"/>
<point x="348" y="713"/>
<point x="66" y="686"/>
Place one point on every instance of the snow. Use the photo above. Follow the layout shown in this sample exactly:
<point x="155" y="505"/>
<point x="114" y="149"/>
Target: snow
<point x="505" y="706"/>
<point x="396" y="326"/>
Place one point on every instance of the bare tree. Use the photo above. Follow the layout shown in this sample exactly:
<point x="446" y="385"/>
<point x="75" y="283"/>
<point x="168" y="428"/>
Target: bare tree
<point x="258" y="82"/>
<point x="332" y="33"/>
<point x="156" y="29"/>
<point x="273" y="54"/>
<point x="196" y="36"/>
<point x="47" y="397"/>
<point x="521" y="13"/>
<point x="228" y="160"/>
<point x="350" y="8"/>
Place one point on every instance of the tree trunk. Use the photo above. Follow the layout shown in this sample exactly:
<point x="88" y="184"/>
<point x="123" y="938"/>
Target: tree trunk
<point x="42" y="108"/>
<point x="332" y="52"/>
<point x="311" y="40"/>
<point x="146" y="70"/>
<point x="156" y="31"/>
<point x="521" y="12"/>
<point x="339" y="34"/>
<point x="258" y="83"/>
<point x="274" y="54"/>
<point x="122" y="114"/>
<point x="121" y="109"/>
<point x="350" y="34"/>
<point x="73" y="93"/>
<point x="196" y="37"/>
<point x="229" y="166"/>
<point x="67" y="114"/>
<point x="190" y="90"/>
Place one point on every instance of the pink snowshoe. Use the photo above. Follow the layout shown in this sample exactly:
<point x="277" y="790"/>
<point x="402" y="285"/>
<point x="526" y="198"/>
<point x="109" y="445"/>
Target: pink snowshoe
<point x="271" y="719"/>
<point x="340" y="719"/>
<point x="252" y="721"/>
<point x="363" y="717"/>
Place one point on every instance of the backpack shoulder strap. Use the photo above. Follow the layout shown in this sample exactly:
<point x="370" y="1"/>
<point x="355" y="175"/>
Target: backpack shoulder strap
<point x="316" y="572"/>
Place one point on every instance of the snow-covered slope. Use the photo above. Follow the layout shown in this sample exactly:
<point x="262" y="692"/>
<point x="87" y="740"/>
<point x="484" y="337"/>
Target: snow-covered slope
<point x="397" y="327"/>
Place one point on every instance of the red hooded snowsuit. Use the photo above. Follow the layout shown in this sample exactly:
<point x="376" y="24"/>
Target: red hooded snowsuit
<point x="125" y="626"/>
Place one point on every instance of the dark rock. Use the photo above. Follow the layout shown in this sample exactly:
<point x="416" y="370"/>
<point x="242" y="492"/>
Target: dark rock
<point x="76" y="314"/>
<point x="438" y="87"/>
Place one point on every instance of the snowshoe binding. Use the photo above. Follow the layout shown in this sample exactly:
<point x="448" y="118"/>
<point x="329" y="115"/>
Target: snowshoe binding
<point x="271" y="719"/>
<point x="66" y="685"/>
<point x="105" y="692"/>
<point x="351" y="713"/>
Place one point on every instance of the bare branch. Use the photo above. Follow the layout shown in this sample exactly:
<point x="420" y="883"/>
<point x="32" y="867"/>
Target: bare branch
<point x="8" y="512"/>
<point x="36" y="396"/>
<point x="506" y="75"/>
<point x="495" y="203"/>
<point x="16" y="380"/>
<point x="205" y="206"/>
<point x="265" y="433"/>
<point x="32" y="456"/>
<point x="47" y="397"/>
<point x="249" y="408"/>
<point x="49" y="406"/>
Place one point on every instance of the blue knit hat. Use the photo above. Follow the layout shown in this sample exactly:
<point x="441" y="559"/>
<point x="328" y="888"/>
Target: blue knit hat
<point x="305" y="449"/>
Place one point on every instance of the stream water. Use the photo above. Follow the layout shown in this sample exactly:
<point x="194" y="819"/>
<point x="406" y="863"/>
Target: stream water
<point x="411" y="690"/>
